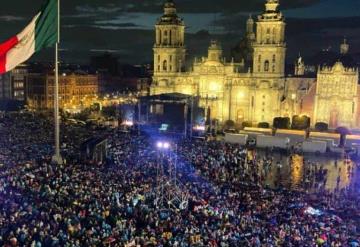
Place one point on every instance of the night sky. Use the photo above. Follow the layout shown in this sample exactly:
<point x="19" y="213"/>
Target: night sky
<point x="125" y="27"/>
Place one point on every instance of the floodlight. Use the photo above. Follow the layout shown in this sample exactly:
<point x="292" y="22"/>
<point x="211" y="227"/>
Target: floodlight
<point x="128" y="123"/>
<point x="160" y="144"/>
<point x="199" y="127"/>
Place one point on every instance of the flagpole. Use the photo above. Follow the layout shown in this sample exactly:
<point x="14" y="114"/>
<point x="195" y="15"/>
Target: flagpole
<point x="57" y="156"/>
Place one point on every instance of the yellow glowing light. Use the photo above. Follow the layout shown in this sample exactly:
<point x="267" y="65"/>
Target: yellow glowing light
<point x="128" y="123"/>
<point x="241" y="95"/>
<point x="214" y="86"/>
<point x="293" y="96"/>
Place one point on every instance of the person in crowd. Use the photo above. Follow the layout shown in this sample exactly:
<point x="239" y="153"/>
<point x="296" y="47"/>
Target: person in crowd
<point x="229" y="200"/>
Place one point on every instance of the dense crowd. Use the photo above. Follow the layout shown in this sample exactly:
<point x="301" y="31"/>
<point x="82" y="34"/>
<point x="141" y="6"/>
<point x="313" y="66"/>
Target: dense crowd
<point x="229" y="201"/>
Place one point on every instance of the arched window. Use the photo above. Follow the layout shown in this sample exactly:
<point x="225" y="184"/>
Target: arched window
<point x="159" y="58"/>
<point x="266" y="66"/>
<point x="274" y="35"/>
<point x="170" y="33"/>
<point x="165" y="37"/>
<point x="274" y="58"/>
<point x="165" y="65"/>
<point x="240" y="116"/>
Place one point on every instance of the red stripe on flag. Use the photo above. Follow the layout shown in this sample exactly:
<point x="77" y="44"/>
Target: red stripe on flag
<point x="4" y="49"/>
<point x="2" y="64"/>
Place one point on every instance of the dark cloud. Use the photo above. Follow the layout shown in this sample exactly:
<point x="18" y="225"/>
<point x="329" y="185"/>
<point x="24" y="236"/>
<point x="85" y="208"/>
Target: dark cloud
<point x="9" y="18"/>
<point x="230" y="23"/>
<point x="125" y="27"/>
<point x="116" y="23"/>
<point x="25" y="8"/>
<point x="116" y="26"/>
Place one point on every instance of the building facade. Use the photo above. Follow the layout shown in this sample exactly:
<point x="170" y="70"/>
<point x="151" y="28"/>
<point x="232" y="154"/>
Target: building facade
<point x="13" y="84"/>
<point x="5" y="87"/>
<point x="76" y="91"/>
<point x="19" y="77"/>
<point x="336" y="99"/>
<point x="256" y="93"/>
<point x="229" y="89"/>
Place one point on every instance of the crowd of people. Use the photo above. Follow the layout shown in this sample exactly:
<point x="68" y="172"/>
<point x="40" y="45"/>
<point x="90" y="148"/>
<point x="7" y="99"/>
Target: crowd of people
<point x="229" y="201"/>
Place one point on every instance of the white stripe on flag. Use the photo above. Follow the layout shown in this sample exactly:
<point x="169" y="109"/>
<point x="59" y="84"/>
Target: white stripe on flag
<point x="25" y="47"/>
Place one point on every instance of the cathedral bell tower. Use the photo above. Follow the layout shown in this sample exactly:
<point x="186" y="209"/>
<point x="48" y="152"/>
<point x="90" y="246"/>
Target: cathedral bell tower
<point x="344" y="48"/>
<point x="269" y="46"/>
<point x="250" y="29"/>
<point x="169" y="49"/>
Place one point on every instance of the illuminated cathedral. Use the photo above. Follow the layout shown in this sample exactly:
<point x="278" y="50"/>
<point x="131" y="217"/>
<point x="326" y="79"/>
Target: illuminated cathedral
<point x="259" y="92"/>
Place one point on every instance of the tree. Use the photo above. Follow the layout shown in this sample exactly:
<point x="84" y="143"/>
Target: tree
<point x="109" y="111"/>
<point x="246" y="124"/>
<point x="281" y="123"/>
<point x="229" y="124"/>
<point x="264" y="125"/>
<point x="83" y="115"/>
<point x="321" y="127"/>
<point x="300" y="122"/>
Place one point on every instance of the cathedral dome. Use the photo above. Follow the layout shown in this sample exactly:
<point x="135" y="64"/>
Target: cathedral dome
<point x="214" y="45"/>
<point x="169" y="4"/>
<point x="272" y="5"/>
<point x="170" y="16"/>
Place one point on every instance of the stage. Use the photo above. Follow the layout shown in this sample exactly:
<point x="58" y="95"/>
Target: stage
<point x="171" y="114"/>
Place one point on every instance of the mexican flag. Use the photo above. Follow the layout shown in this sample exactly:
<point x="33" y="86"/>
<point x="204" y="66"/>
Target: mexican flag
<point x="40" y="33"/>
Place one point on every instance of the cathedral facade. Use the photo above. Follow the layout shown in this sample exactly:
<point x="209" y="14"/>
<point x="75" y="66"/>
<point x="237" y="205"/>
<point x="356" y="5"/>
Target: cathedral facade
<point x="336" y="99"/>
<point x="256" y="93"/>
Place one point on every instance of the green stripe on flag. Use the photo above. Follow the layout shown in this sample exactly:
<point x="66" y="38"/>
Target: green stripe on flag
<point x="46" y="33"/>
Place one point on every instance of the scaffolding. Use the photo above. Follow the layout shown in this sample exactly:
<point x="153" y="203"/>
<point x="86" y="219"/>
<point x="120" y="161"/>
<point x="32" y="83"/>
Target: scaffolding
<point x="170" y="192"/>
